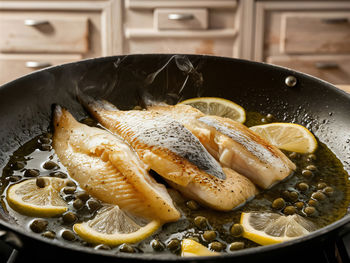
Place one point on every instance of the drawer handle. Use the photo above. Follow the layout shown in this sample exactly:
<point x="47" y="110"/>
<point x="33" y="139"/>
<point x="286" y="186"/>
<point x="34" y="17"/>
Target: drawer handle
<point x="326" y="65"/>
<point x="37" y="65"/>
<point x="180" y="16"/>
<point x="33" y="22"/>
<point x="335" y="20"/>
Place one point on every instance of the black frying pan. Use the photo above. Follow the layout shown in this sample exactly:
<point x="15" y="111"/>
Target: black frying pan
<point x="26" y="104"/>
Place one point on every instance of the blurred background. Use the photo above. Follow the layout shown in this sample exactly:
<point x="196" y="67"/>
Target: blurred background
<point x="309" y="36"/>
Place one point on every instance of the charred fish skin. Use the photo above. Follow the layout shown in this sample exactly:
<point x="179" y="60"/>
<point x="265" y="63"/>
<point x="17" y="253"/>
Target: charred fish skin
<point x="108" y="169"/>
<point x="234" y="145"/>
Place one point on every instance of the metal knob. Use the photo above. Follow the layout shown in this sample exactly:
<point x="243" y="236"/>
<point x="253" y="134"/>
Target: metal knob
<point x="34" y="22"/>
<point x="37" y="65"/>
<point x="180" y="16"/>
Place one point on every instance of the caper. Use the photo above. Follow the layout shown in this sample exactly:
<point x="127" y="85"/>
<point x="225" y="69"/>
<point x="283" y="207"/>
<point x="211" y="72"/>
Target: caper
<point x="264" y="120"/>
<point x="18" y="165"/>
<point x="49" y="234"/>
<point x="289" y="210"/>
<point x="209" y="235"/>
<point x="93" y="205"/>
<point x="83" y="196"/>
<point x="40" y="182"/>
<point x="157" y="245"/>
<point x="303" y="187"/>
<point x="89" y="122"/>
<point x="328" y="190"/>
<point x="319" y="196"/>
<point x="77" y="204"/>
<point x="310" y="210"/>
<point x="312" y="202"/>
<point x="68" y="190"/>
<point x="307" y="173"/>
<point x="216" y="246"/>
<point x="50" y="165"/>
<point x="68" y="235"/>
<point x="293" y="196"/>
<point x="174" y="245"/>
<point x="269" y="117"/>
<point x="31" y="173"/>
<point x="293" y="155"/>
<point x="59" y="174"/>
<point x="126" y="248"/>
<point x="236" y="230"/>
<point x="71" y="183"/>
<point x="321" y="185"/>
<point x="236" y="246"/>
<point x="69" y="217"/>
<point x="278" y="203"/>
<point x="45" y="147"/>
<point x="44" y="140"/>
<point x="285" y="194"/>
<point x="137" y="107"/>
<point x="311" y="167"/>
<point x="15" y="178"/>
<point x="38" y="225"/>
<point x="299" y="205"/>
<point x="311" y="157"/>
<point x="102" y="247"/>
<point x="201" y="222"/>
<point x="193" y="205"/>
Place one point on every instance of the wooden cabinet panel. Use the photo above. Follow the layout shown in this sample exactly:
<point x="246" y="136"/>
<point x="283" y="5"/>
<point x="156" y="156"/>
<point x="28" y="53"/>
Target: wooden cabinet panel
<point x="15" y="65"/>
<point x="315" y="33"/>
<point x="334" y="68"/>
<point x="39" y="33"/>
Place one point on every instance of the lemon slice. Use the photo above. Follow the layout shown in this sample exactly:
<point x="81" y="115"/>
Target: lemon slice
<point x="29" y="199"/>
<point x="287" y="136"/>
<point x="217" y="106"/>
<point x="191" y="248"/>
<point x="111" y="226"/>
<point x="272" y="228"/>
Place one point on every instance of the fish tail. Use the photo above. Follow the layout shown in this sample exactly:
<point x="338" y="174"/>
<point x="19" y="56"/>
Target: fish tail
<point x="91" y="104"/>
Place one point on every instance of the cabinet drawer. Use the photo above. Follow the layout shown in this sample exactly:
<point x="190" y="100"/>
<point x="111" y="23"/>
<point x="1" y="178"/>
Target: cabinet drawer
<point x="13" y="66"/>
<point x="315" y="33"/>
<point x="335" y="69"/>
<point x="33" y="32"/>
<point x="184" y="18"/>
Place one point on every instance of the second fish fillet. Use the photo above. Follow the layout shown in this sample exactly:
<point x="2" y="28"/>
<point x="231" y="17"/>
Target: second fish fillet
<point x="108" y="169"/>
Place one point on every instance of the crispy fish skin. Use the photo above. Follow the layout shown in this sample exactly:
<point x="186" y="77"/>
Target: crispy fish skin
<point x="108" y="169"/>
<point x="233" y="145"/>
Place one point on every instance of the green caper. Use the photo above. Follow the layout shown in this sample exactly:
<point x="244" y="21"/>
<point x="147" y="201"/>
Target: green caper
<point x="319" y="196"/>
<point x="321" y="185"/>
<point x="40" y="182"/>
<point x="71" y="183"/>
<point x="236" y="246"/>
<point x="312" y="202"/>
<point x="157" y="245"/>
<point x="31" y="173"/>
<point x="50" y="165"/>
<point x="83" y="196"/>
<point x="18" y="165"/>
<point x="174" y="245"/>
<point x="45" y="147"/>
<point x="307" y="173"/>
<point x="293" y="155"/>
<point x="93" y="205"/>
<point x="68" y="190"/>
<point x="193" y="205"/>
<point x="49" y="234"/>
<point x="303" y="187"/>
<point x="59" y="174"/>
<point x="216" y="246"/>
<point x="69" y="217"/>
<point x="201" y="222"/>
<point x="68" y="235"/>
<point x="44" y="140"/>
<point x="311" y="167"/>
<point x="236" y="230"/>
<point x="15" y="178"/>
<point x="289" y="210"/>
<point x="278" y="203"/>
<point x="209" y="235"/>
<point x="299" y="205"/>
<point x="328" y="190"/>
<point x="293" y="196"/>
<point x="77" y="204"/>
<point x="264" y="120"/>
<point x="126" y="248"/>
<point x="285" y="194"/>
<point x="309" y="210"/>
<point x="102" y="247"/>
<point x="311" y="157"/>
<point x="38" y="225"/>
<point x="269" y="117"/>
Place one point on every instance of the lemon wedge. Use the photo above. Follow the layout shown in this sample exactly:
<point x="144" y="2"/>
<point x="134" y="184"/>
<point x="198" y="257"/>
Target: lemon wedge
<point x="191" y="248"/>
<point x="111" y="226"/>
<point x="29" y="199"/>
<point x="287" y="136"/>
<point x="272" y="228"/>
<point x="217" y="106"/>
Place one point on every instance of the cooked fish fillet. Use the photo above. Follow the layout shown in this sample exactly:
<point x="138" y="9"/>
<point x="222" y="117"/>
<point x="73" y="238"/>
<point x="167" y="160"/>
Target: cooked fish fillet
<point x="108" y="169"/>
<point x="233" y="145"/>
<point x="176" y="154"/>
